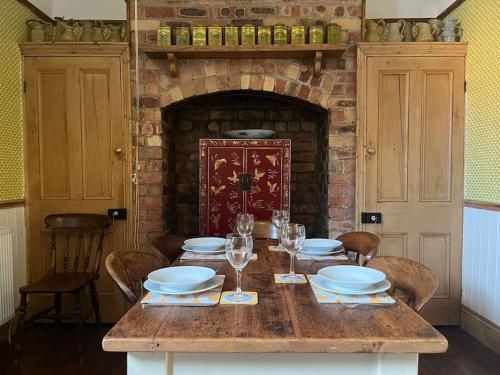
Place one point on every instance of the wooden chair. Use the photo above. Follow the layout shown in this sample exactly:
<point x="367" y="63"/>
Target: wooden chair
<point x="73" y="275"/>
<point x="129" y="269"/>
<point x="417" y="282"/>
<point x="363" y="244"/>
<point x="265" y="230"/>
<point x="169" y="245"/>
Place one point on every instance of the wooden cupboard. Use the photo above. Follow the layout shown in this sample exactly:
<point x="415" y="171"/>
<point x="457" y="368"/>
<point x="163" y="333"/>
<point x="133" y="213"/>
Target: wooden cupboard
<point x="242" y="175"/>
<point x="410" y="159"/>
<point x="77" y="148"/>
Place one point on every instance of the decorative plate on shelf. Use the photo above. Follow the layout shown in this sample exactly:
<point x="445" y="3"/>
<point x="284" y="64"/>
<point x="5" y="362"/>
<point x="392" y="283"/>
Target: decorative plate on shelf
<point x="249" y="134"/>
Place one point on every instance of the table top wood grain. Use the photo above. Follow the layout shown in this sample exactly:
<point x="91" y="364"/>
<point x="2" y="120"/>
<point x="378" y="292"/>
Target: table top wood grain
<point x="287" y="319"/>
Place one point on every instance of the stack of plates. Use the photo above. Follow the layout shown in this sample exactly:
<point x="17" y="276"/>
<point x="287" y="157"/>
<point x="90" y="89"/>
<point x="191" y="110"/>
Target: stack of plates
<point x="205" y="245"/>
<point x="182" y="280"/>
<point x="321" y="246"/>
<point x="351" y="280"/>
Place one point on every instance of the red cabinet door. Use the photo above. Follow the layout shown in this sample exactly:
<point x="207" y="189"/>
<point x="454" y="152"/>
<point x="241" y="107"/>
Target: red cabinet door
<point x="223" y="162"/>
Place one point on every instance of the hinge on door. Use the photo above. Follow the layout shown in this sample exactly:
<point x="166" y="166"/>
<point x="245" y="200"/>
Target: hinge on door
<point x="24" y="87"/>
<point x="465" y="86"/>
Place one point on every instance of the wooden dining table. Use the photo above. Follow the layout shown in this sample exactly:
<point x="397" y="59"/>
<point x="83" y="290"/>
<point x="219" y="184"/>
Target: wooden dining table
<point x="287" y="332"/>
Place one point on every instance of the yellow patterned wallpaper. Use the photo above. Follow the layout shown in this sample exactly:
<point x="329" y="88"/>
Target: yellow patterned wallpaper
<point x="481" y="24"/>
<point x="13" y="16"/>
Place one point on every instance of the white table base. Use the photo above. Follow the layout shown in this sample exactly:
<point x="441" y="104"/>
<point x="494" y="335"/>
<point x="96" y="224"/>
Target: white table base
<point x="155" y="363"/>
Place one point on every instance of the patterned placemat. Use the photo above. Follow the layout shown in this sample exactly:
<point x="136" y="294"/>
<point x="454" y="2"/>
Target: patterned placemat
<point x="323" y="296"/>
<point x="208" y="298"/>
<point x="188" y="255"/>
<point x="280" y="278"/>
<point x="251" y="298"/>
<point x="302" y="256"/>
<point x="275" y="248"/>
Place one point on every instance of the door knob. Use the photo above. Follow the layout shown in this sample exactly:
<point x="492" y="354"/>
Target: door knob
<point x="370" y="152"/>
<point x="118" y="151"/>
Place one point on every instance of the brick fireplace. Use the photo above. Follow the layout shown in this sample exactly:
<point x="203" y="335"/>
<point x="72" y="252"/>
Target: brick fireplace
<point x="210" y="96"/>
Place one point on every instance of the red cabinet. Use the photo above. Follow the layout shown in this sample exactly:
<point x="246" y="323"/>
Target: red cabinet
<point x="242" y="175"/>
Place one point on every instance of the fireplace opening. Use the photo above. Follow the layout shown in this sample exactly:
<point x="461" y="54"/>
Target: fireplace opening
<point x="208" y="116"/>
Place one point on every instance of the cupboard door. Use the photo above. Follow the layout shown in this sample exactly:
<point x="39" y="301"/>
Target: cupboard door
<point x="74" y="124"/>
<point x="414" y="167"/>
<point x="220" y="196"/>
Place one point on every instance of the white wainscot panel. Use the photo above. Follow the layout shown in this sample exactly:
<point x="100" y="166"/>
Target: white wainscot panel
<point x="481" y="263"/>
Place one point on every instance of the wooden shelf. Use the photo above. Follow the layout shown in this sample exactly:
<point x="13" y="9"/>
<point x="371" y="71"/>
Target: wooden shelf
<point x="316" y="52"/>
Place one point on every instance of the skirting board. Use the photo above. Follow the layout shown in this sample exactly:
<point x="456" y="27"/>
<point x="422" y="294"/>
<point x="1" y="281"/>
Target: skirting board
<point x="486" y="332"/>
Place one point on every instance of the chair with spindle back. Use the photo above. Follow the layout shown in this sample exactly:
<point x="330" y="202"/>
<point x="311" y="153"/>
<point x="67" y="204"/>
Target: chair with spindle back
<point x="417" y="282"/>
<point x="79" y="268"/>
<point x="363" y="244"/>
<point x="265" y="230"/>
<point x="128" y="270"/>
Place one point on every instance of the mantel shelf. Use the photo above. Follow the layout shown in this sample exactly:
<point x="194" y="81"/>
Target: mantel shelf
<point x="316" y="52"/>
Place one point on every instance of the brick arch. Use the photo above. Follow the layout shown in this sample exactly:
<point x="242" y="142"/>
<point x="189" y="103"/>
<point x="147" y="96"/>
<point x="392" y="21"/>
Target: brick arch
<point x="290" y="80"/>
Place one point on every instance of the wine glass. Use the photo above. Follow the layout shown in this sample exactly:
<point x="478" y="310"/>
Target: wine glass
<point x="279" y="218"/>
<point x="238" y="252"/>
<point x="244" y="224"/>
<point x="294" y="236"/>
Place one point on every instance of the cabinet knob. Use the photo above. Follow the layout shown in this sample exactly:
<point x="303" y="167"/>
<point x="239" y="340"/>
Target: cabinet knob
<point x="118" y="151"/>
<point x="370" y="152"/>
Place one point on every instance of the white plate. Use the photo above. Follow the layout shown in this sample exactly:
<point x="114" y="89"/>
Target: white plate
<point x="157" y="288"/>
<point x="182" y="278"/>
<point x="249" y="133"/>
<point x="201" y="251"/>
<point x="352" y="277"/>
<point x="310" y="252"/>
<point x="324" y="245"/>
<point x="329" y="286"/>
<point x="206" y="243"/>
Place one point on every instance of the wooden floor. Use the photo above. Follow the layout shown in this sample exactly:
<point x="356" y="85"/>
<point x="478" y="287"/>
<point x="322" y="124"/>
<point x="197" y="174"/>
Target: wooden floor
<point x="51" y="350"/>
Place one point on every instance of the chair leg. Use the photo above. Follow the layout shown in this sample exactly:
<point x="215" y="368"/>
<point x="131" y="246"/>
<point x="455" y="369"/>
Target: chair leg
<point x="57" y="307"/>
<point x="95" y="304"/>
<point x="78" y="325"/>
<point x="20" y="328"/>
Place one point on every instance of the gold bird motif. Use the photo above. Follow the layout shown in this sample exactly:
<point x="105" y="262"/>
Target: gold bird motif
<point x="273" y="159"/>
<point x="258" y="174"/>
<point x="218" y="190"/>
<point x="234" y="178"/>
<point x="219" y="162"/>
<point x="272" y="187"/>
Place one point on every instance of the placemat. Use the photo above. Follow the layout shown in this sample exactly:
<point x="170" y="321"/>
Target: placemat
<point x="323" y="296"/>
<point x="188" y="255"/>
<point x="279" y="279"/>
<point x="302" y="256"/>
<point x="275" y="248"/>
<point x="254" y="299"/>
<point x="208" y="298"/>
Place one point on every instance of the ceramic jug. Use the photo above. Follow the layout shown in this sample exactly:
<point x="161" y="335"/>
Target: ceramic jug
<point x="438" y="28"/>
<point x="36" y="33"/>
<point x="423" y="32"/>
<point x="395" y="31"/>
<point x="86" y="31"/>
<point x="374" y="30"/>
<point x="115" y="33"/>
<point x="451" y="30"/>
<point x="100" y="33"/>
<point x="407" y="32"/>
<point x="67" y="33"/>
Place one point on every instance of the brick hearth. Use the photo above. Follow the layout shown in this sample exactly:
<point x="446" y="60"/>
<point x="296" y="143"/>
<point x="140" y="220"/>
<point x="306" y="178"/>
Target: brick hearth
<point x="334" y="91"/>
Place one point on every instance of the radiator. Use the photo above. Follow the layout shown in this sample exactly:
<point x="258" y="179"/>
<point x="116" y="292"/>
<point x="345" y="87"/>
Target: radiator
<point x="7" y="309"/>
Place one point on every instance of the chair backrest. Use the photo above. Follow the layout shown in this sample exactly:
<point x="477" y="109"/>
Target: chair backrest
<point x="169" y="245"/>
<point x="361" y="243"/>
<point x="128" y="269"/>
<point x="415" y="280"/>
<point x="264" y="230"/>
<point x="86" y="232"/>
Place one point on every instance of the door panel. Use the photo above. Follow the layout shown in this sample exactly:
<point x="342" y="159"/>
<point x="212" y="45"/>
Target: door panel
<point x="74" y="121"/>
<point x="414" y="109"/>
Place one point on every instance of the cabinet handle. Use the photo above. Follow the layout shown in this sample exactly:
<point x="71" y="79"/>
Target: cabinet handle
<point x="370" y="152"/>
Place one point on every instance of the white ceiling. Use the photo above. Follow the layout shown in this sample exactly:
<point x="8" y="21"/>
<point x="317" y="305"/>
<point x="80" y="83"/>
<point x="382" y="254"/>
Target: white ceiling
<point x="116" y="9"/>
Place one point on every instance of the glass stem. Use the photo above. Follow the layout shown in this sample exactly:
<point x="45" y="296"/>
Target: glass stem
<point x="238" y="282"/>
<point x="292" y="264"/>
